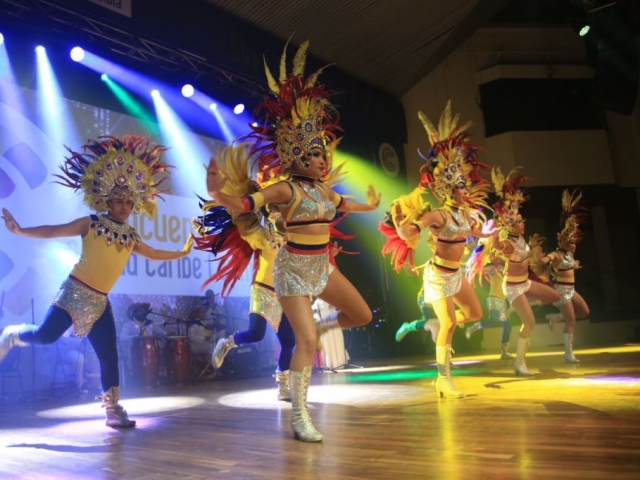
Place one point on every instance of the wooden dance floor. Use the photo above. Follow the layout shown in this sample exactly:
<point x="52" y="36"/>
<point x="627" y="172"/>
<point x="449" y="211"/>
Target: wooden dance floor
<point x="381" y="422"/>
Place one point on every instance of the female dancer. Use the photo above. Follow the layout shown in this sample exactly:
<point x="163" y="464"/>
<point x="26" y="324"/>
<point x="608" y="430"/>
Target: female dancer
<point x="452" y="173"/>
<point x="496" y="305"/>
<point x="510" y="242"/>
<point x="235" y="239"/>
<point x="117" y="177"/>
<point x="298" y="128"/>
<point x="562" y="266"/>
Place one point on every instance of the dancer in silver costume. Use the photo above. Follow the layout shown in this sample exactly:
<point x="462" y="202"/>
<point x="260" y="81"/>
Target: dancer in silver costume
<point x="562" y="265"/>
<point x="511" y="243"/>
<point x="452" y="173"/>
<point x="298" y="138"/>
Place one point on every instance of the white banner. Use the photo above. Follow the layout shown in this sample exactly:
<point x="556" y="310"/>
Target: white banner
<point x="31" y="270"/>
<point x="122" y="7"/>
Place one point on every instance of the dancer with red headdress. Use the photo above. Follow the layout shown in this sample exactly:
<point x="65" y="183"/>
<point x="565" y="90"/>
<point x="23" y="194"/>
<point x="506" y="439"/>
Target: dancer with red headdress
<point x="296" y="138"/>
<point x="453" y="174"/>
<point x="561" y="266"/>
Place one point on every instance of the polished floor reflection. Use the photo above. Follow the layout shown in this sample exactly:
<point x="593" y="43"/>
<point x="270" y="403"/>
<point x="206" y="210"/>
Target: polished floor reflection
<point x="383" y="421"/>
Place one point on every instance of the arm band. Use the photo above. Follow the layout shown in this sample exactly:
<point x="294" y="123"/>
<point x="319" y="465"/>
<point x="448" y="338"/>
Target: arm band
<point x="338" y="201"/>
<point x="253" y="201"/>
<point x="415" y="224"/>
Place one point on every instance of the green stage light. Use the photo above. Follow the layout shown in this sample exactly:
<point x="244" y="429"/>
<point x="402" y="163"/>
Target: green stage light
<point x="584" y="30"/>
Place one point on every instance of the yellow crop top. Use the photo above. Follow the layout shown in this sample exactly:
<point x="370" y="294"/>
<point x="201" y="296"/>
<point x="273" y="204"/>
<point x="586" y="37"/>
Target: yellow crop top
<point x="106" y="248"/>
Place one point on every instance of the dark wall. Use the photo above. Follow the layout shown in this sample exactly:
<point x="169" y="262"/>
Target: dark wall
<point x="516" y="104"/>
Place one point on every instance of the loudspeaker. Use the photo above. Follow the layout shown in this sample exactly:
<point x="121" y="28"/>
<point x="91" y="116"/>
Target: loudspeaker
<point x="243" y="361"/>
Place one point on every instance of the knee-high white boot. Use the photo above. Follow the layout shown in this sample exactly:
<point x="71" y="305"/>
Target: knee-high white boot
<point x="9" y="339"/>
<point x="520" y="366"/>
<point x="223" y="346"/>
<point x="433" y="326"/>
<point x="282" y="380"/>
<point x="444" y="383"/>
<point x="504" y="349"/>
<point x="569" y="357"/>
<point x="116" y="415"/>
<point x="301" y="423"/>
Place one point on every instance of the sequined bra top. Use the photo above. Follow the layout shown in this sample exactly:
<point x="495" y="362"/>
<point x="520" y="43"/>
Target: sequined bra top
<point x="520" y="250"/>
<point x="456" y="229"/>
<point x="567" y="262"/>
<point x="317" y="208"/>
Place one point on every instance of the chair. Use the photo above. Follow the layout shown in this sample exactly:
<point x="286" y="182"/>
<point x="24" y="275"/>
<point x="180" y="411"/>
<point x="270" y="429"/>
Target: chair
<point x="10" y="367"/>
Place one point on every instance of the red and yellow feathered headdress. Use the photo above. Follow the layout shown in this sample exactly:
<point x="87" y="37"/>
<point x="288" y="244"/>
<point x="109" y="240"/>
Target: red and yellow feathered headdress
<point x="452" y="161"/>
<point x="296" y="117"/>
<point x="510" y="197"/>
<point x="573" y="214"/>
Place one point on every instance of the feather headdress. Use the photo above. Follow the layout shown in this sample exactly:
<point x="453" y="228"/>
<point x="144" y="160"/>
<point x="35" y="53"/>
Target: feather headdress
<point x="573" y="214"/>
<point x="452" y="161"/>
<point x="296" y="117"/>
<point x="511" y="196"/>
<point x="110" y="168"/>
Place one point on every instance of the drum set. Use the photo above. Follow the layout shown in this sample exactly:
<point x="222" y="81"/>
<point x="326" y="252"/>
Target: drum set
<point x="153" y="357"/>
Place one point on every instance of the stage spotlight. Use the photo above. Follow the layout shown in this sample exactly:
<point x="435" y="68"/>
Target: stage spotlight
<point x="188" y="91"/>
<point x="584" y="30"/>
<point x="1" y="39"/>
<point x="155" y="93"/>
<point x="77" y="54"/>
<point x="40" y="49"/>
<point x="213" y="106"/>
<point x="238" y="109"/>
<point x="254" y="124"/>
<point x="104" y="77"/>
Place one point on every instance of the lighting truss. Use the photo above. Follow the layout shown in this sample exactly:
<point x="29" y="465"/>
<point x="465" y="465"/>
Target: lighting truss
<point x="61" y="20"/>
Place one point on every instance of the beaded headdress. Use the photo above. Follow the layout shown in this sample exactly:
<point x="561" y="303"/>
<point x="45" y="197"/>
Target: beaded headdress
<point x="573" y="214"/>
<point x="452" y="161"/>
<point x="510" y="198"/>
<point x="297" y="116"/>
<point x="111" y="168"/>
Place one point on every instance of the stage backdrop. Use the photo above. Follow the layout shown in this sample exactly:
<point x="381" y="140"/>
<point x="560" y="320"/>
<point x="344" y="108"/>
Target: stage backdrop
<point x="31" y="149"/>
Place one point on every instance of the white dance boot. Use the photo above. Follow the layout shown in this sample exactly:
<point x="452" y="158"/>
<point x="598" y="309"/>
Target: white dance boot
<point x="301" y="423"/>
<point x="505" y="355"/>
<point x="282" y="380"/>
<point x="116" y="415"/>
<point x="9" y="339"/>
<point x="569" y="357"/>
<point x="444" y="383"/>
<point x="224" y="346"/>
<point x="520" y="366"/>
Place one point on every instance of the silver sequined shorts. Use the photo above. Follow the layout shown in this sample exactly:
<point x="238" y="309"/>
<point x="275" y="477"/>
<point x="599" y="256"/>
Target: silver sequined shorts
<point x="499" y="305"/>
<point x="566" y="293"/>
<point x="264" y="302"/>
<point x="513" y="291"/>
<point x="300" y="275"/>
<point x="84" y="305"/>
<point x="439" y="283"/>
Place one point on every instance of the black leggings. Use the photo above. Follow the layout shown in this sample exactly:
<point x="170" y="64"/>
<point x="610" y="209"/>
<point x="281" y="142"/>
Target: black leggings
<point x="258" y="328"/>
<point x="102" y="337"/>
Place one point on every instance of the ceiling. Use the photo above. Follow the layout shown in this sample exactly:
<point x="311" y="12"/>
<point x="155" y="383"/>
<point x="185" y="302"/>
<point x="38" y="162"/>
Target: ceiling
<point x="391" y="44"/>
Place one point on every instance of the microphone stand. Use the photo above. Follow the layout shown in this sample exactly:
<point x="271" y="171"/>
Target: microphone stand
<point x="178" y="321"/>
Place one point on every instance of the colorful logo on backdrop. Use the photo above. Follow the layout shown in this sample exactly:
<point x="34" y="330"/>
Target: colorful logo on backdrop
<point x="23" y="179"/>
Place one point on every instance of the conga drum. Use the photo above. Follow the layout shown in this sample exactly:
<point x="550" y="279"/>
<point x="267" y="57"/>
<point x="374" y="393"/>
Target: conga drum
<point x="178" y="359"/>
<point x="145" y="361"/>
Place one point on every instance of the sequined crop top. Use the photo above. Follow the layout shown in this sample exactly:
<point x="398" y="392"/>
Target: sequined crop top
<point x="456" y="230"/>
<point x="567" y="262"/>
<point x="316" y="208"/>
<point x="520" y="250"/>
